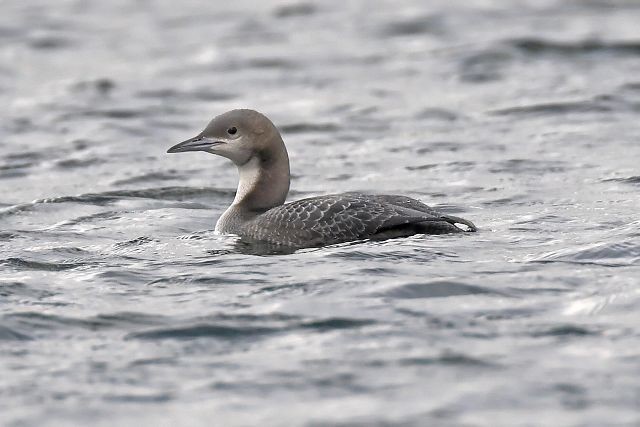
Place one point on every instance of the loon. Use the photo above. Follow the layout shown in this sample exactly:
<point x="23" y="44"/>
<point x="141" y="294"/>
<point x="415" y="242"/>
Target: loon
<point x="258" y="212"/>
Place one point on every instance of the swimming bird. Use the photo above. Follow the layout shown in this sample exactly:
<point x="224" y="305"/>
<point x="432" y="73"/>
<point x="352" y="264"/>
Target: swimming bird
<point x="258" y="212"/>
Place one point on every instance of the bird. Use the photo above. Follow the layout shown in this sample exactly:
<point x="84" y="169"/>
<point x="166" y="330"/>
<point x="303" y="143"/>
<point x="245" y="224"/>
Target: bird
<point x="259" y="212"/>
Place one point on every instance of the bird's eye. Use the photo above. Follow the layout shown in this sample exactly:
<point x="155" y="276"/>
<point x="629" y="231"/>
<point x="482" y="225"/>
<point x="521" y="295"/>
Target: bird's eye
<point x="232" y="130"/>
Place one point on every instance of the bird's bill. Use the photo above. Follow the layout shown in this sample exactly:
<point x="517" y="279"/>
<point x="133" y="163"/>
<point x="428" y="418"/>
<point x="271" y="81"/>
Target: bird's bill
<point x="197" y="143"/>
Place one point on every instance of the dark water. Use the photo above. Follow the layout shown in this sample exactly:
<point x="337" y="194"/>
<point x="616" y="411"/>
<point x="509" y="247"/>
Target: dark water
<point x="119" y="305"/>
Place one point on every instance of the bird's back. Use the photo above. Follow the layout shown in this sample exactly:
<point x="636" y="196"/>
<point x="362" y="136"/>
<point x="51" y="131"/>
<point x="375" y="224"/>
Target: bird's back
<point x="345" y="217"/>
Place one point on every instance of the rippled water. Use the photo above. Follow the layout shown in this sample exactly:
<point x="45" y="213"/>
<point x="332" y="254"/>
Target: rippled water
<point x="119" y="306"/>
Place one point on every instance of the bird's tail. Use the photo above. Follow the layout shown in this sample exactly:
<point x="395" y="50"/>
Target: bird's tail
<point x="457" y="221"/>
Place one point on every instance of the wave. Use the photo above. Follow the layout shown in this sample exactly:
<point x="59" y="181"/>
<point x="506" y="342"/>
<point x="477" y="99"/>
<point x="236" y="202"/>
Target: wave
<point x="108" y="197"/>
<point x="7" y="334"/>
<point x="438" y="289"/>
<point x="635" y="179"/>
<point x="538" y="46"/>
<point x="32" y="322"/>
<point x="24" y="264"/>
<point x="607" y="254"/>
<point x="221" y="329"/>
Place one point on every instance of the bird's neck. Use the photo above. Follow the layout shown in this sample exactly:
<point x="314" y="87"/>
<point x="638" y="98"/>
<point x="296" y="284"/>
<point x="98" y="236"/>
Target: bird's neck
<point x="264" y="182"/>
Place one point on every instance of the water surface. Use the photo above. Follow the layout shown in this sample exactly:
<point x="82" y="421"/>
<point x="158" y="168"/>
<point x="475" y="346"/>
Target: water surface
<point x="120" y="306"/>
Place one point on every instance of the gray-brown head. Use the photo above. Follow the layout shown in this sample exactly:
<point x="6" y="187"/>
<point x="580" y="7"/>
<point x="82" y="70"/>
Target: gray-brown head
<point x="253" y="143"/>
<point x="238" y="135"/>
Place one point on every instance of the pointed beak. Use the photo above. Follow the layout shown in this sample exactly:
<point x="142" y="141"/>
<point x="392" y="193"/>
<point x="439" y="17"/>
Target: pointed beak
<point x="197" y="143"/>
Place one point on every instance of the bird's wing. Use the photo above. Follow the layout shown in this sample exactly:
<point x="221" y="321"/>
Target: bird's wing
<point x="343" y="217"/>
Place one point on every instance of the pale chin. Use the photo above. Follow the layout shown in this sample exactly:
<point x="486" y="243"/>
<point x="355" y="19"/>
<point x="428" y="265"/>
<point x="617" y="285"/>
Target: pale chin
<point x="239" y="157"/>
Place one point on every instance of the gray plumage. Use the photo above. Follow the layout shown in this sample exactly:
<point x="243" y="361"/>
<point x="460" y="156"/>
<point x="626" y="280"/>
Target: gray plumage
<point x="339" y="218"/>
<point x="254" y="144"/>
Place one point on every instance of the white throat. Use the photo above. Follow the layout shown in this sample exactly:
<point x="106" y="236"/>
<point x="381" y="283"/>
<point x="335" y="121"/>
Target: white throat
<point x="233" y="216"/>
<point x="249" y="175"/>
